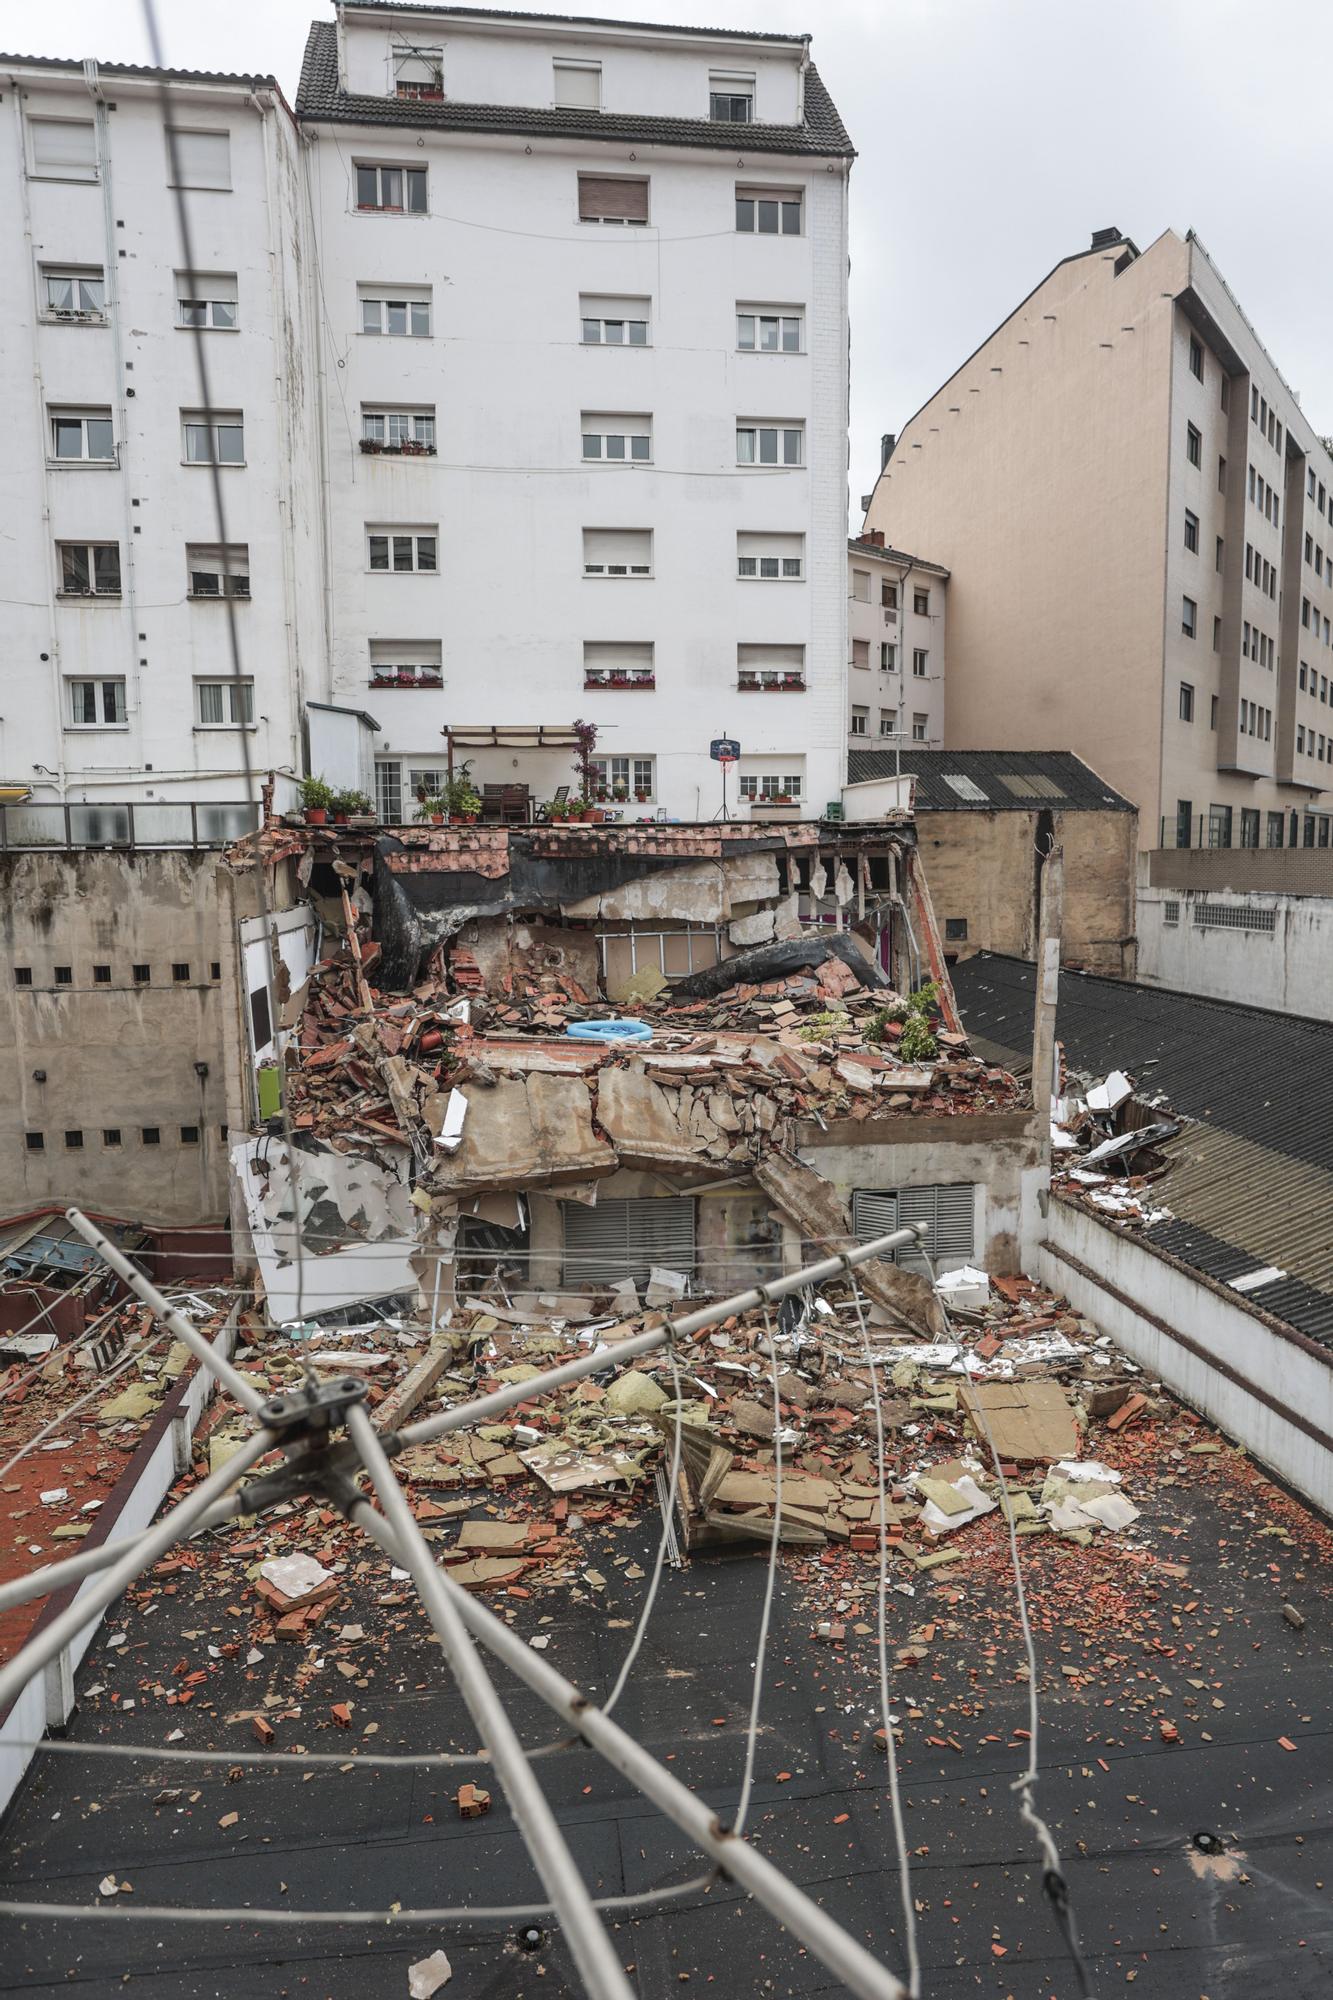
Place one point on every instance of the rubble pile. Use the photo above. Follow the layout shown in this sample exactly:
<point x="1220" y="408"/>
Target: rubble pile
<point x="1105" y="1151"/>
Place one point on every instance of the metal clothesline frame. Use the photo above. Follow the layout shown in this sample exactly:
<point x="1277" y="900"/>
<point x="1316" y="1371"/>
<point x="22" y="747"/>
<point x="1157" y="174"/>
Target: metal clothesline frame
<point x="305" y="1426"/>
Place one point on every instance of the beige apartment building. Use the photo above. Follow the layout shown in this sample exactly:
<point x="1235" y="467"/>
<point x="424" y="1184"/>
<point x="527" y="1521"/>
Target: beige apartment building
<point x="1137" y="518"/>
<point x="896" y="605"/>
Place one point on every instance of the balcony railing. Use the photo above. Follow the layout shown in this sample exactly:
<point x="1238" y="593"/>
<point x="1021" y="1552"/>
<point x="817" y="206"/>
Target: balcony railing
<point x="126" y="824"/>
<point x="762" y="682"/>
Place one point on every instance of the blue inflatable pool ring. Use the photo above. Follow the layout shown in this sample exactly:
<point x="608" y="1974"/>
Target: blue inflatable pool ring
<point x="609" y="1031"/>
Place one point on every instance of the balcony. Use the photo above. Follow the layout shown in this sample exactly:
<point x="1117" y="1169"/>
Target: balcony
<point x="374" y="448"/>
<point x="605" y="677"/>
<point x="762" y="682"/>
<point x="137" y="824"/>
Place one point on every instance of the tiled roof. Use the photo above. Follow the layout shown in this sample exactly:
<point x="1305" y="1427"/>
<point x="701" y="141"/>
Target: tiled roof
<point x="143" y="69"/>
<point x="898" y="557"/>
<point x="320" y="100"/>
<point x="993" y="780"/>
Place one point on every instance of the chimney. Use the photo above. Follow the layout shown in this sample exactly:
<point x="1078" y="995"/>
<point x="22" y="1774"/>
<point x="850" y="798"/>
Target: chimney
<point x="874" y="537"/>
<point x="1103" y="238"/>
<point x="886" y="444"/>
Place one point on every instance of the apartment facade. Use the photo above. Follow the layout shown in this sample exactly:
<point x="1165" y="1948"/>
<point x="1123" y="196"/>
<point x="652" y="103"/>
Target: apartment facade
<point x="116" y="654"/>
<point x="1138" y="521"/>
<point x="583" y="353"/>
<point x="896" y="607"/>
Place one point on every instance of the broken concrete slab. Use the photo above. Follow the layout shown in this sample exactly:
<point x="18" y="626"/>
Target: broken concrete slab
<point x="1030" y="1422"/>
<point x="527" y="1132"/>
<point x="808" y="1201"/>
<point x="641" y="1123"/>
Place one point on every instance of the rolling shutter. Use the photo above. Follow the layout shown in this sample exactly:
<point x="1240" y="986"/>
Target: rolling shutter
<point x="947" y="1211"/>
<point x="203" y="159"/>
<point x="622" y="1239"/>
<point x="605" y="200"/>
<point x="617" y="548"/>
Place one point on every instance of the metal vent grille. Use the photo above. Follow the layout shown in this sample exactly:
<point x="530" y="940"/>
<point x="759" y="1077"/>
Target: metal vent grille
<point x="622" y="1239"/>
<point x="1233" y="917"/>
<point x="948" y="1212"/>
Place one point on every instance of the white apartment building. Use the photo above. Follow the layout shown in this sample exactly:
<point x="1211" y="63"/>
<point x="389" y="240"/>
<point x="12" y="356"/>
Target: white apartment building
<point x="896" y="607"/>
<point x="1137" y="516"/>
<point x="116" y="663"/>
<point x="582" y="303"/>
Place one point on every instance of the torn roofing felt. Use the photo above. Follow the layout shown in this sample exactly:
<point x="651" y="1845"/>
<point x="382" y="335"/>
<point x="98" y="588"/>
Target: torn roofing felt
<point x="776" y="961"/>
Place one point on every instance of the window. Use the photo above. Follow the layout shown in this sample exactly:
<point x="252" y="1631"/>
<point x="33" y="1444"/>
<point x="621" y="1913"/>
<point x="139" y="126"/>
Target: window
<point x="151" y="1135"/>
<point x="388" y="792"/>
<point x="888" y="596"/>
<point x="402" y="550"/>
<point x="1184" y="821"/>
<point x="189" y="1135"/>
<point x="762" y="212"/>
<point x="888" y="657"/>
<point x="97" y="704"/>
<point x="618" y="663"/>
<point x="391" y="190"/>
<point x="403" y="314"/>
<point x="63" y="149"/>
<point x="418" y="74"/>
<point x="770" y="666"/>
<point x="621" y="776"/>
<point x="206" y="299"/>
<point x="82" y="434"/>
<point x="1221" y="475"/>
<point x="1219" y="826"/>
<point x="1196" y="358"/>
<point x="768" y="332"/>
<point x="860" y="721"/>
<point x="1194" y="444"/>
<point x="225" y="704"/>
<point x="771" y="785"/>
<point x="89" y="569"/>
<point x="23" y="975"/>
<point x="1254" y="404"/>
<point x="578" y="86"/>
<point x="111" y="1135"/>
<point x="1224" y="391"/>
<point x="602" y="199"/>
<point x="730" y="97"/>
<point x="1171" y="912"/>
<point x="920" y="660"/>
<point x="888" y="722"/>
<point x="1212" y="711"/>
<point x="919" y="723"/>
<point x="861" y="586"/>
<point x="35" y="1142"/>
<point x="861" y="653"/>
<point x="217" y="440"/>
<point x="948" y="1212"/>
<point x="955" y="930"/>
<point x="180" y="972"/>
<point x="770" y="444"/>
<point x="198" y="159"/>
<point x="141" y="974"/>
<point x="921" y="603"/>
<point x="406" y="663"/>
<point x="215" y="968"/>
<point x="611" y="322"/>
<point x="1189" y="616"/>
<point x="101" y="975"/>
<point x="1249" y="826"/>
<point x="411" y="432"/>
<point x="1274" y="829"/>
<point x="617" y="552"/>
<point x="74" y="294"/>
<point x="1219" y="555"/>
<point x="770" y="558"/>
<point x="74" y="1140"/>
<point x="217" y="571"/>
<point x="1191" y="532"/>
<point x="617" y="439"/>
<point x="620" y="1239"/>
<point x="1186" y="702"/>
<point x="64" y="975"/>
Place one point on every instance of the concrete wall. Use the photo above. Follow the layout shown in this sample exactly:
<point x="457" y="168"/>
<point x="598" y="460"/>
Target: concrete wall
<point x="1261" y="1383"/>
<point x="1286" y="967"/>
<point x="117" y="1054"/>
<point x="982" y="867"/>
<point x="915" y="700"/>
<point x="138" y="363"/>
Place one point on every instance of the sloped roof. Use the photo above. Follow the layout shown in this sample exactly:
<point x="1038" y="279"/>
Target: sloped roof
<point x="147" y="70"/>
<point x="993" y="780"/>
<point x="320" y="100"/>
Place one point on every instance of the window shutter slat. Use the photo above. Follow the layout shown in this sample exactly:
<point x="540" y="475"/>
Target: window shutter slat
<point x="622" y="201"/>
<point x="623" y="1239"/>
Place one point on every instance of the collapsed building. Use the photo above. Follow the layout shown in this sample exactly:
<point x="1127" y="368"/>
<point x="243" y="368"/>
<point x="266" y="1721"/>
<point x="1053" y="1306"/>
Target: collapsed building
<point x="616" y="1059"/>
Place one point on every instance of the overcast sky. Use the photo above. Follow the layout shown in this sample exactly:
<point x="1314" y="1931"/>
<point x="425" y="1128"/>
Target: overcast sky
<point x="993" y="137"/>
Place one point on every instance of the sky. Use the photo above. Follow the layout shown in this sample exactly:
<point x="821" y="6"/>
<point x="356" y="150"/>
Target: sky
<point x="993" y="137"/>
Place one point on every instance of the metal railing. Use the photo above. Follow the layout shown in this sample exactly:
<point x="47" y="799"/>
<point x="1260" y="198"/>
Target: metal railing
<point x="124" y="823"/>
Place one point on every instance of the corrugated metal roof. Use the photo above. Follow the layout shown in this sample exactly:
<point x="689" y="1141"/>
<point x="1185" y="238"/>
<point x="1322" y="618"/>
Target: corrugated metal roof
<point x="993" y="780"/>
<point x="321" y="99"/>
<point x="1251" y="1180"/>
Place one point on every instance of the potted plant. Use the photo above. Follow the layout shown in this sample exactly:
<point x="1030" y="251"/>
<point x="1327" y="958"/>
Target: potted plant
<point x="585" y="743"/>
<point x="462" y="799"/>
<point x="619" y="792"/>
<point x="351" y="804"/>
<point x="641" y="798"/>
<point x="381" y="677"/>
<point x="430" y="677"/>
<point x="431" y="808"/>
<point x="316" y="799"/>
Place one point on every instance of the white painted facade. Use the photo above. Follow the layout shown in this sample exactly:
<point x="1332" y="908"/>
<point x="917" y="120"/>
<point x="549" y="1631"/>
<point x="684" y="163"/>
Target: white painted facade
<point x="119" y="694"/>
<point x="896" y="612"/>
<point x="514" y="624"/>
<point x="1260" y="948"/>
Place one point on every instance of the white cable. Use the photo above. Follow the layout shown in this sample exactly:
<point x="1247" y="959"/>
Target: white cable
<point x="655" y="1580"/>
<point x="890" y="1745"/>
<point x="757" y="1693"/>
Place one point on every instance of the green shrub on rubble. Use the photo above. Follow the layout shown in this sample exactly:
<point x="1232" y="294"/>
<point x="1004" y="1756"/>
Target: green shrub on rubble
<point x="917" y="1044"/>
<point x="820" y="1027"/>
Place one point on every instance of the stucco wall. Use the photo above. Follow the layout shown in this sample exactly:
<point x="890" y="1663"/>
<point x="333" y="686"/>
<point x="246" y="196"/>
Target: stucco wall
<point x="1287" y="967"/>
<point x="117" y="1055"/>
